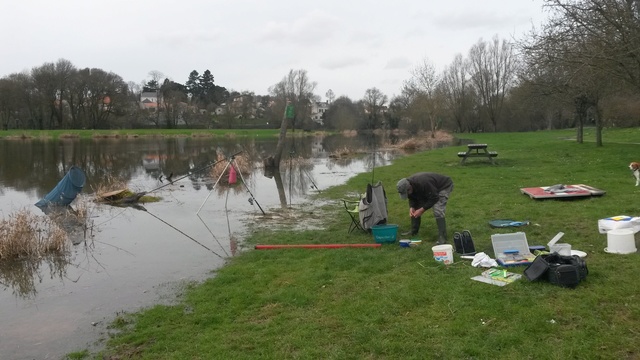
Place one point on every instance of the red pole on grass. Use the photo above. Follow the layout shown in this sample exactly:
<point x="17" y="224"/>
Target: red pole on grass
<point x="316" y="246"/>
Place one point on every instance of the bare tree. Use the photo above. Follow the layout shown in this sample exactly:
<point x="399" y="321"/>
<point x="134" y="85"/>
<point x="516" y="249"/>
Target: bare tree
<point x="64" y="72"/>
<point x="330" y="96"/>
<point x="77" y="99"/>
<point x="293" y="95"/>
<point x="174" y="102"/>
<point x="493" y="70"/>
<point x="374" y="101"/>
<point x="156" y="76"/>
<point x="459" y="96"/>
<point x="604" y="34"/>
<point x="17" y="101"/>
<point x="46" y="90"/>
<point x="585" y="45"/>
<point x="421" y="89"/>
<point x="105" y="91"/>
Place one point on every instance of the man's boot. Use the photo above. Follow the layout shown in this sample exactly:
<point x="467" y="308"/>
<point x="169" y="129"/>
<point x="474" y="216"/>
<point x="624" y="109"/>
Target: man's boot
<point x="415" y="227"/>
<point x="442" y="230"/>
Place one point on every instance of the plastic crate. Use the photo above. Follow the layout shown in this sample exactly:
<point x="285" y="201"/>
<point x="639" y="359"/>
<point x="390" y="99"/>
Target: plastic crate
<point x="385" y="233"/>
<point x="511" y="249"/>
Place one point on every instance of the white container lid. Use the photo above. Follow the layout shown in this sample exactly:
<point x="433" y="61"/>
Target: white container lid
<point x="555" y="239"/>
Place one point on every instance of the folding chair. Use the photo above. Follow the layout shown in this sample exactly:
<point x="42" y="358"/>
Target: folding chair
<point x="353" y="209"/>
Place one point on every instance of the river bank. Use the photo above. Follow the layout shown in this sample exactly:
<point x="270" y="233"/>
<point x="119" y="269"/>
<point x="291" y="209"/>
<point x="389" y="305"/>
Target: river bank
<point x="397" y="302"/>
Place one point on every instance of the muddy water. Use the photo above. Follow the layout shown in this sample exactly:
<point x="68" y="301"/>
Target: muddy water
<point x="129" y="258"/>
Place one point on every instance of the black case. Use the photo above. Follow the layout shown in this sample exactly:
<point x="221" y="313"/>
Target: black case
<point x="564" y="275"/>
<point x="565" y="271"/>
<point x="463" y="243"/>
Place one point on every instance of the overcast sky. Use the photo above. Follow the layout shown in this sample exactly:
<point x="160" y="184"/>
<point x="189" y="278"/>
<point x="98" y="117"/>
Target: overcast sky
<point x="347" y="46"/>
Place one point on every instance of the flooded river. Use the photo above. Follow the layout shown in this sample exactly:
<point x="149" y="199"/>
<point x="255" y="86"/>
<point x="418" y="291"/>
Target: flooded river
<point x="127" y="258"/>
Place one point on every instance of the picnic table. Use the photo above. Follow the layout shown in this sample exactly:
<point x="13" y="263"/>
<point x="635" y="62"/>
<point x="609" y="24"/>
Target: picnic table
<point x="477" y="150"/>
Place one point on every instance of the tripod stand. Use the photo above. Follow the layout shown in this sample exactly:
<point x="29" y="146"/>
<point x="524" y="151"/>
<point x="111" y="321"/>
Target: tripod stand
<point x="231" y="162"/>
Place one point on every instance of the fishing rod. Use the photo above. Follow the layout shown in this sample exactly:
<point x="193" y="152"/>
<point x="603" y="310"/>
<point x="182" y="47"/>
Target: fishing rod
<point x="211" y="232"/>
<point x="252" y="199"/>
<point x="205" y="200"/>
<point x="180" y="231"/>
<point x="305" y="172"/>
<point x="231" y="238"/>
<point x="311" y="179"/>
<point x="191" y="172"/>
<point x="373" y="142"/>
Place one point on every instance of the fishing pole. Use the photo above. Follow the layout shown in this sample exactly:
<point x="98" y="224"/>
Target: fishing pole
<point x="311" y="179"/>
<point x="189" y="174"/>
<point x="205" y="200"/>
<point x="304" y="171"/>
<point x="253" y="198"/>
<point x="181" y="232"/>
<point x="231" y="238"/>
<point x="373" y="142"/>
<point x="216" y="183"/>
<point x="211" y="232"/>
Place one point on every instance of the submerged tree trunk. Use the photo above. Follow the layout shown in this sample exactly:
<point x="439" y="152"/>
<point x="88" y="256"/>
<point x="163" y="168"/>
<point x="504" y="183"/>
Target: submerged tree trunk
<point x="274" y="160"/>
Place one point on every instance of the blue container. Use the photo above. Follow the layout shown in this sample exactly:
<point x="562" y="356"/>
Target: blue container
<point x="385" y="233"/>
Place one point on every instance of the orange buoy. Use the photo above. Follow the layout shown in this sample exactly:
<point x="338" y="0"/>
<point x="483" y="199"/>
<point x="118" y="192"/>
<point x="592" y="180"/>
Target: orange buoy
<point x="232" y="175"/>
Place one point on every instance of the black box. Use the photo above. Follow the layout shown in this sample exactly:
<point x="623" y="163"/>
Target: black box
<point x="565" y="271"/>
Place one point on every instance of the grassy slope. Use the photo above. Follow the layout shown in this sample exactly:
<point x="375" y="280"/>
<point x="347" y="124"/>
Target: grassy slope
<point x="398" y="303"/>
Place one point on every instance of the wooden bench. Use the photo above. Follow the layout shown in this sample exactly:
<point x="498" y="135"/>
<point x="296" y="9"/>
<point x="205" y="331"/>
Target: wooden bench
<point x="463" y="154"/>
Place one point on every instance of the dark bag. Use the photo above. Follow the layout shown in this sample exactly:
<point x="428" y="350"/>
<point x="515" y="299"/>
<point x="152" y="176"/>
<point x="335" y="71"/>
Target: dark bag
<point x="463" y="242"/>
<point x="561" y="270"/>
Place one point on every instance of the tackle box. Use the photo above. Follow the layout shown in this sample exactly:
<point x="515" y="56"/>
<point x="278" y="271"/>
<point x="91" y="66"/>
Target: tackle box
<point x="511" y="249"/>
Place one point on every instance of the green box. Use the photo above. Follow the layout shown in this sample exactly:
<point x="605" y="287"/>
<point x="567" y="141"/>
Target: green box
<point x="385" y="233"/>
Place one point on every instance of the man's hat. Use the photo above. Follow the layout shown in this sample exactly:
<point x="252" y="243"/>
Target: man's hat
<point x="403" y="188"/>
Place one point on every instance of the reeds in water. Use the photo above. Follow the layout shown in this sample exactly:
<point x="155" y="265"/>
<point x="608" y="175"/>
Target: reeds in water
<point x="109" y="183"/>
<point x="25" y="234"/>
<point x="343" y="152"/>
<point x="425" y="141"/>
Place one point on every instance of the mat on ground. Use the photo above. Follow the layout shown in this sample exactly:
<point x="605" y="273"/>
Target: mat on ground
<point x="561" y="191"/>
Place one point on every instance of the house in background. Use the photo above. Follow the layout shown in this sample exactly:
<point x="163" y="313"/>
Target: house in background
<point x="318" y="108"/>
<point x="149" y="100"/>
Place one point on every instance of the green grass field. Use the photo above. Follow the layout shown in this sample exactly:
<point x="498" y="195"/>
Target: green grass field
<point x="398" y="303"/>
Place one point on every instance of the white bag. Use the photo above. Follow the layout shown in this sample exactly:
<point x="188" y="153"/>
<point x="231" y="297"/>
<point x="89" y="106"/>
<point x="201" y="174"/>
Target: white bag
<point x="619" y="222"/>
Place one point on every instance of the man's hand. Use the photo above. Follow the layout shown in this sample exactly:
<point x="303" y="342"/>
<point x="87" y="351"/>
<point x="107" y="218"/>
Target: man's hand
<point x="416" y="213"/>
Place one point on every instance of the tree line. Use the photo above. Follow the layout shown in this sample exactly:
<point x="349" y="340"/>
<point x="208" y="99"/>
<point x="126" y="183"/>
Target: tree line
<point x="581" y="67"/>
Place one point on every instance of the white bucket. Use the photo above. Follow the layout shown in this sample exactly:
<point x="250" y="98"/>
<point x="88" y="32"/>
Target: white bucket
<point x="620" y="241"/>
<point x="443" y="253"/>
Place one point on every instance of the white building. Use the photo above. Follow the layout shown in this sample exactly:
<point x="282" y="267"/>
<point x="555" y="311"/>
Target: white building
<point x="318" y="109"/>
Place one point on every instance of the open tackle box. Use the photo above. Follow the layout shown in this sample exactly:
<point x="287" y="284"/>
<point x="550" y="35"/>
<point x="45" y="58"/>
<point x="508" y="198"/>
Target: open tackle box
<point x="511" y="249"/>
